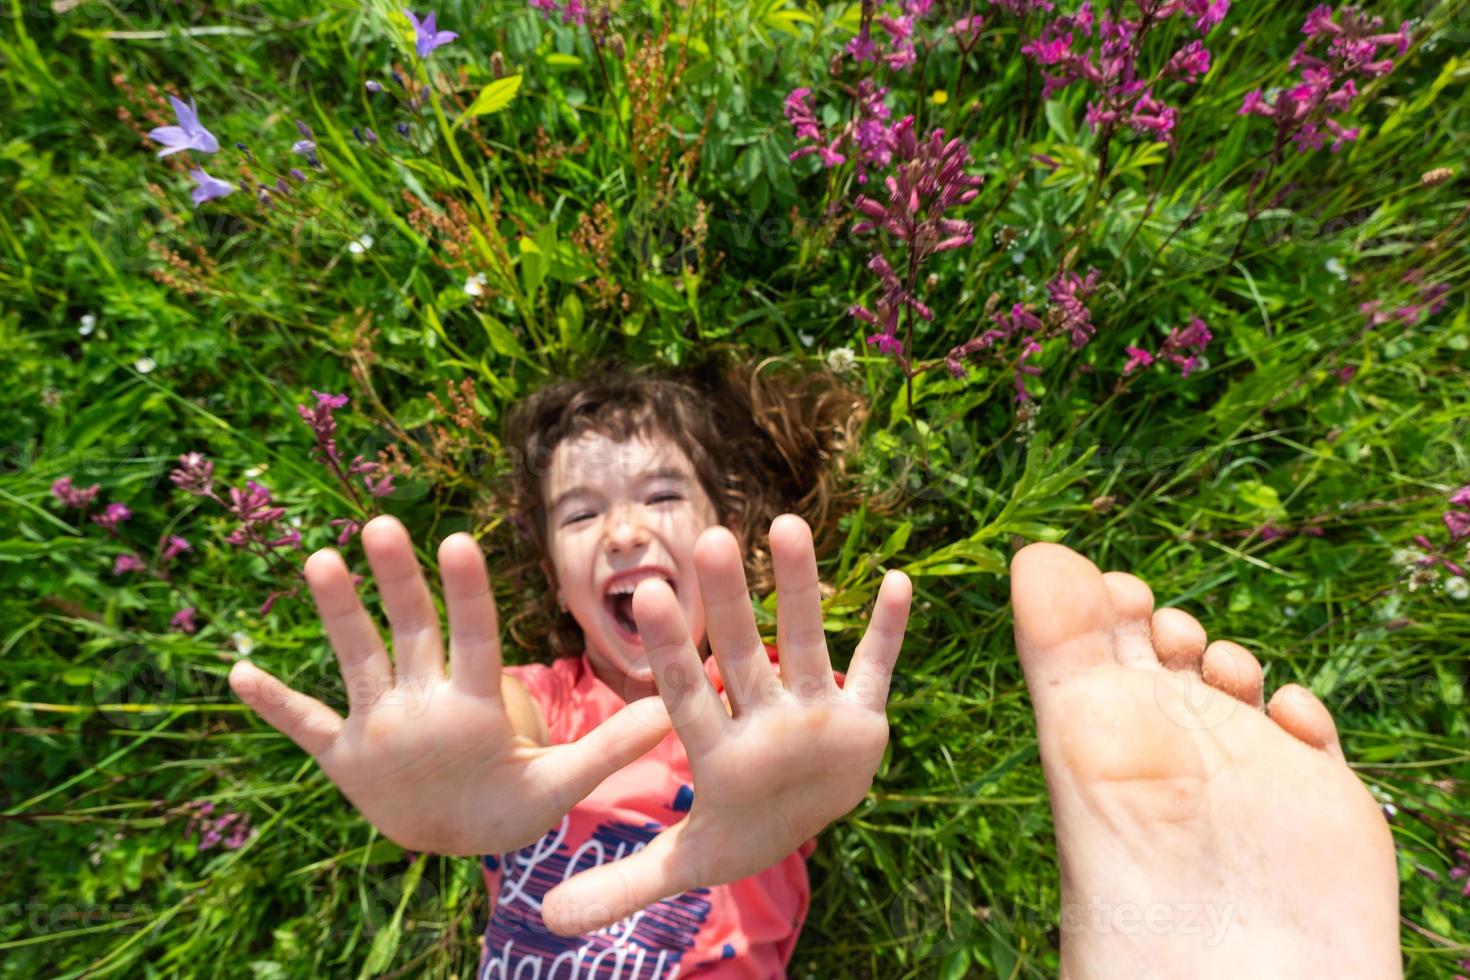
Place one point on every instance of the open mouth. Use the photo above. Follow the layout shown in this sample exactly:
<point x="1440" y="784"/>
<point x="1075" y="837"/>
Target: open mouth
<point x="619" y="606"/>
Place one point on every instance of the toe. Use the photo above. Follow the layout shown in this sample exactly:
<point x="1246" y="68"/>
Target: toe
<point x="1179" y="639"/>
<point x="1064" y="619"/>
<point x="1231" y="668"/>
<point x="1299" y="712"/>
<point x="1133" y="609"/>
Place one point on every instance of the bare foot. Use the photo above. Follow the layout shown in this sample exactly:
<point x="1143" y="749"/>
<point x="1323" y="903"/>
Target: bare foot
<point x="1198" y="836"/>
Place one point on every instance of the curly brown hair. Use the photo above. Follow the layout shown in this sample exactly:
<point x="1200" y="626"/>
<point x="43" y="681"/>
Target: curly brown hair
<point x="765" y="438"/>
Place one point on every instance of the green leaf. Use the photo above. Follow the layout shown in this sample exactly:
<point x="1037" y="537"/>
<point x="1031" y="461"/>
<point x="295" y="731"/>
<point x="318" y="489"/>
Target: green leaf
<point x="492" y="98"/>
<point x="1059" y="119"/>
<point x="533" y="267"/>
<point x="569" y="319"/>
<point x="502" y="341"/>
<point x="895" y="542"/>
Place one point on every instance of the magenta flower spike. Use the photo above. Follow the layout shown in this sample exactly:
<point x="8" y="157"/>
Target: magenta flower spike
<point x="127" y="562"/>
<point x="195" y="474"/>
<point x="112" y="515"/>
<point x="183" y="621"/>
<point x="70" y="496"/>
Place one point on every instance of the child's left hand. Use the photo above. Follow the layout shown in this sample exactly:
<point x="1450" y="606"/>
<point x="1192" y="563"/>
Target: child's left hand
<point x="793" y="753"/>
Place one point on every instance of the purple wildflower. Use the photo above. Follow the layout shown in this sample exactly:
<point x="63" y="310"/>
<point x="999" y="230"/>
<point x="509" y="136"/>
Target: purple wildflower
<point x="1029" y="349"/>
<point x="176" y="546"/>
<point x="70" y="496"/>
<point x="349" y="528"/>
<point x="1137" y="358"/>
<point x="127" y="562"/>
<point x="254" y="506"/>
<point x="381" y="487"/>
<point x="929" y="179"/>
<point x="1067" y="292"/>
<point x="1104" y="53"/>
<point x="183" y="621"/>
<point x="112" y="516"/>
<point x="800" y="115"/>
<point x="187" y="135"/>
<point x="195" y="474"/>
<point x="1007" y="325"/>
<point x="208" y="188"/>
<point x="1185" y="344"/>
<point x="291" y="539"/>
<point x="1327" y="87"/>
<point x="323" y="425"/>
<point x="426" y="33"/>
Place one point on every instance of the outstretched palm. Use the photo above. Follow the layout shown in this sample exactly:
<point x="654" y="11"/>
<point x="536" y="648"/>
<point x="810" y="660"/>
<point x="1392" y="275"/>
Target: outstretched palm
<point x="433" y="762"/>
<point x="791" y="754"/>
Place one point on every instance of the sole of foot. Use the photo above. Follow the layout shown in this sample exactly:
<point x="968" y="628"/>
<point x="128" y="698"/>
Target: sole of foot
<point x="1200" y="833"/>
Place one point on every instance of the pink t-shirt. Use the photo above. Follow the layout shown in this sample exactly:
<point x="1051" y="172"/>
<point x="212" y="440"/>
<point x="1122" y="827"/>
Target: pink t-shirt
<point x="746" y="929"/>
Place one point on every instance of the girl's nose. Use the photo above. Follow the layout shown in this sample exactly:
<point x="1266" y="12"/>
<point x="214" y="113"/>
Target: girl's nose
<point x="627" y="531"/>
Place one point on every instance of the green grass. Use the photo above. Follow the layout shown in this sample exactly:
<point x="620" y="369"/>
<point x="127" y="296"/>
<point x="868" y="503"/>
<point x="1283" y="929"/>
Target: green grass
<point x="111" y="722"/>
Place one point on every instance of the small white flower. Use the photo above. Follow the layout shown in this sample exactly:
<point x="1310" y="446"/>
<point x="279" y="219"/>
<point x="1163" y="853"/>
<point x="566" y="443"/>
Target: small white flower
<point x="255" y="471"/>
<point x="806" y="339"/>
<point x="244" y="645"/>
<point x="475" y="284"/>
<point x="1405" y="558"/>
<point x="840" y="360"/>
<point x="294" y="520"/>
<point x="1390" y="811"/>
<point x="144" y="365"/>
<point x="1334" y="266"/>
<point x="1421" y="577"/>
<point x="87" y="324"/>
<point x="361" y="244"/>
<point x="1457" y="588"/>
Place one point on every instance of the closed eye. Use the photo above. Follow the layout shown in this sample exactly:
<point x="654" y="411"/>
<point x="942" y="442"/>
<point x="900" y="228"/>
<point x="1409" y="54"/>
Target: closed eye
<point x="658" y="498"/>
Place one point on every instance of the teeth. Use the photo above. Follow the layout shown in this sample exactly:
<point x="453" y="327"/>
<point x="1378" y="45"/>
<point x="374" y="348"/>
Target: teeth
<point x="627" y="586"/>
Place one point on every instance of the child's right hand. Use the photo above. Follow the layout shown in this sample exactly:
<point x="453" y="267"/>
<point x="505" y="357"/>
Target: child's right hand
<point x="434" y="763"/>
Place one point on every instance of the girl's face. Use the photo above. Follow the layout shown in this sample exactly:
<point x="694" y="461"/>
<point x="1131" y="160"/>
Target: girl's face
<point x="618" y="507"/>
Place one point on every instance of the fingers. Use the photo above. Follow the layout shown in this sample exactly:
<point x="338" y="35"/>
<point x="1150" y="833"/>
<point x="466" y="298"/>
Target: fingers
<point x="609" y="893"/>
<point x="872" y="663"/>
<point x="366" y="671"/>
<point x="582" y="766"/>
<point x="418" y="650"/>
<point x="806" y="666"/>
<point x="730" y="622"/>
<point x="474" y="630"/>
<point x="694" y="708"/>
<point x="305" y="720"/>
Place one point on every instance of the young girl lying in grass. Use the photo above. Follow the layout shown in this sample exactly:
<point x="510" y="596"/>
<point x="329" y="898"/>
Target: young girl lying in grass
<point x="1198" y="835"/>
<point x="637" y="778"/>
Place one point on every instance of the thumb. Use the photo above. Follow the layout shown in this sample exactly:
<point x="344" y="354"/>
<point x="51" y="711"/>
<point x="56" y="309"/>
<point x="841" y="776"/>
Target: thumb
<point x="620" y="740"/>
<point x="601" y="896"/>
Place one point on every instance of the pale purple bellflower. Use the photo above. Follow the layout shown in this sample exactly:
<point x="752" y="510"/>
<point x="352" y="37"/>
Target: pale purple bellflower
<point x="208" y="188"/>
<point x="187" y="135"/>
<point x="426" y="33"/>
